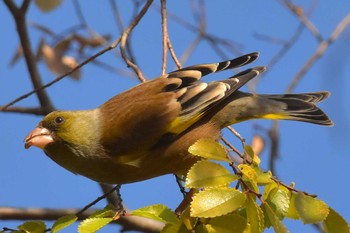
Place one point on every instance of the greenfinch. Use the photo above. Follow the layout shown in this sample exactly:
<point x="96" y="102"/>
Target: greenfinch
<point x="146" y="131"/>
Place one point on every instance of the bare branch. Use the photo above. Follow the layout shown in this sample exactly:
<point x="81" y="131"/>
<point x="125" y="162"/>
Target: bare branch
<point x="299" y="12"/>
<point x="20" y="20"/>
<point x="26" y="110"/>
<point x="323" y="46"/>
<point x="173" y="55"/>
<point x="129" y="222"/>
<point x="165" y="35"/>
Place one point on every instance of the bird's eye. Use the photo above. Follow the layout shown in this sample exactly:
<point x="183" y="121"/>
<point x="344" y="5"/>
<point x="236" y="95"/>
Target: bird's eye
<point x="59" y="120"/>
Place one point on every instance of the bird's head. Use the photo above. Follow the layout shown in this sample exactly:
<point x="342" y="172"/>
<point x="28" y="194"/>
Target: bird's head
<point x="58" y="126"/>
<point x="49" y="130"/>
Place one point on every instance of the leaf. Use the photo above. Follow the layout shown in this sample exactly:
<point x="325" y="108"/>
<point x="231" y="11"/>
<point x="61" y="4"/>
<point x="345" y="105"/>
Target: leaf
<point x="56" y="60"/>
<point x="107" y="212"/>
<point x="273" y="219"/>
<point x="206" y="174"/>
<point x="335" y="223"/>
<point x="33" y="227"/>
<point x="216" y="202"/>
<point x="278" y="200"/>
<point x="232" y="223"/>
<point x="248" y="150"/>
<point x="47" y="5"/>
<point x="174" y="228"/>
<point x="263" y="178"/>
<point x="63" y="222"/>
<point x="157" y="212"/>
<point x="292" y="211"/>
<point x="255" y="216"/>
<point x="310" y="210"/>
<point x="258" y="144"/>
<point x="91" y="225"/>
<point x="210" y="149"/>
<point x="248" y="172"/>
<point x="249" y="176"/>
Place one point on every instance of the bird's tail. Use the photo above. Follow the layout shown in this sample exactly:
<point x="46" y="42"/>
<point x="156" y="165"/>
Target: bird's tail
<point x="299" y="107"/>
<point x="296" y="107"/>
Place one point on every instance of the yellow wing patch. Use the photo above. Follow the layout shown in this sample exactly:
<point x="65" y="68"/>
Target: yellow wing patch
<point x="181" y="123"/>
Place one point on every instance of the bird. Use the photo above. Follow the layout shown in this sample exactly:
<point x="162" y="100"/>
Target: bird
<point x="145" y="132"/>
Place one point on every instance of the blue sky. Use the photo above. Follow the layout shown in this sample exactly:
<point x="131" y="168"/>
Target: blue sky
<point x="316" y="158"/>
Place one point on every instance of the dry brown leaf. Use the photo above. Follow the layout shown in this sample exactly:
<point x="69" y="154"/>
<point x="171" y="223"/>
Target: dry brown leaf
<point x="258" y="144"/>
<point x="57" y="62"/>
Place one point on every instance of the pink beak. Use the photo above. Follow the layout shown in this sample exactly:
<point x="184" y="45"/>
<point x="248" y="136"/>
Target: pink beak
<point x="39" y="137"/>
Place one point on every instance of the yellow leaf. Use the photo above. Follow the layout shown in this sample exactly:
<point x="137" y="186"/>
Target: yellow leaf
<point x="292" y="211"/>
<point x="206" y="174"/>
<point x="33" y="227"/>
<point x="210" y="149"/>
<point x="273" y="219"/>
<point x="255" y="216"/>
<point x="63" y="222"/>
<point x="248" y="172"/>
<point x="91" y="225"/>
<point x="334" y="223"/>
<point x="157" y="212"/>
<point x="249" y="176"/>
<point x="216" y="202"/>
<point x="232" y="223"/>
<point x="310" y="210"/>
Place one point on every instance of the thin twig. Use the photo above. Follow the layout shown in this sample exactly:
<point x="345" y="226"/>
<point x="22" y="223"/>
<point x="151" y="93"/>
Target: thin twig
<point x="234" y="149"/>
<point x="232" y="130"/>
<point x="165" y="35"/>
<point x="35" y="111"/>
<point x="291" y="188"/>
<point x="96" y="201"/>
<point x="120" y="26"/>
<point x="323" y="46"/>
<point x="299" y="12"/>
<point x="112" y="46"/>
<point x="125" y="36"/>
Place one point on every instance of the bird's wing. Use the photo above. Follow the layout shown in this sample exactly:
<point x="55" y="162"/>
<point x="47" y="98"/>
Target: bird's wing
<point x="135" y="120"/>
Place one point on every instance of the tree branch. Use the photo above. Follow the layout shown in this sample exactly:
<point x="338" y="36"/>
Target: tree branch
<point x="129" y="223"/>
<point x="20" y="20"/>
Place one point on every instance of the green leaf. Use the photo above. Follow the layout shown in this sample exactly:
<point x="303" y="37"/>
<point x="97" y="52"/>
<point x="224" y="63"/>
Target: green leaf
<point x="292" y="211"/>
<point x="310" y="210"/>
<point x="273" y="219"/>
<point x="91" y="225"/>
<point x="278" y="200"/>
<point x="206" y="174"/>
<point x="334" y="223"/>
<point x="107" y="212"/>
<point x="232" y="223"/>
<point x="63" y="222"/>
<point x="47" y="5"/>
<point x="157" y="212"/>
<point x="32" y="227"/>
<point x="210" y="149"/>
<point x="255" y="216"/>
<point x="268" y="188"/>
<point x="216" y="202"/>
